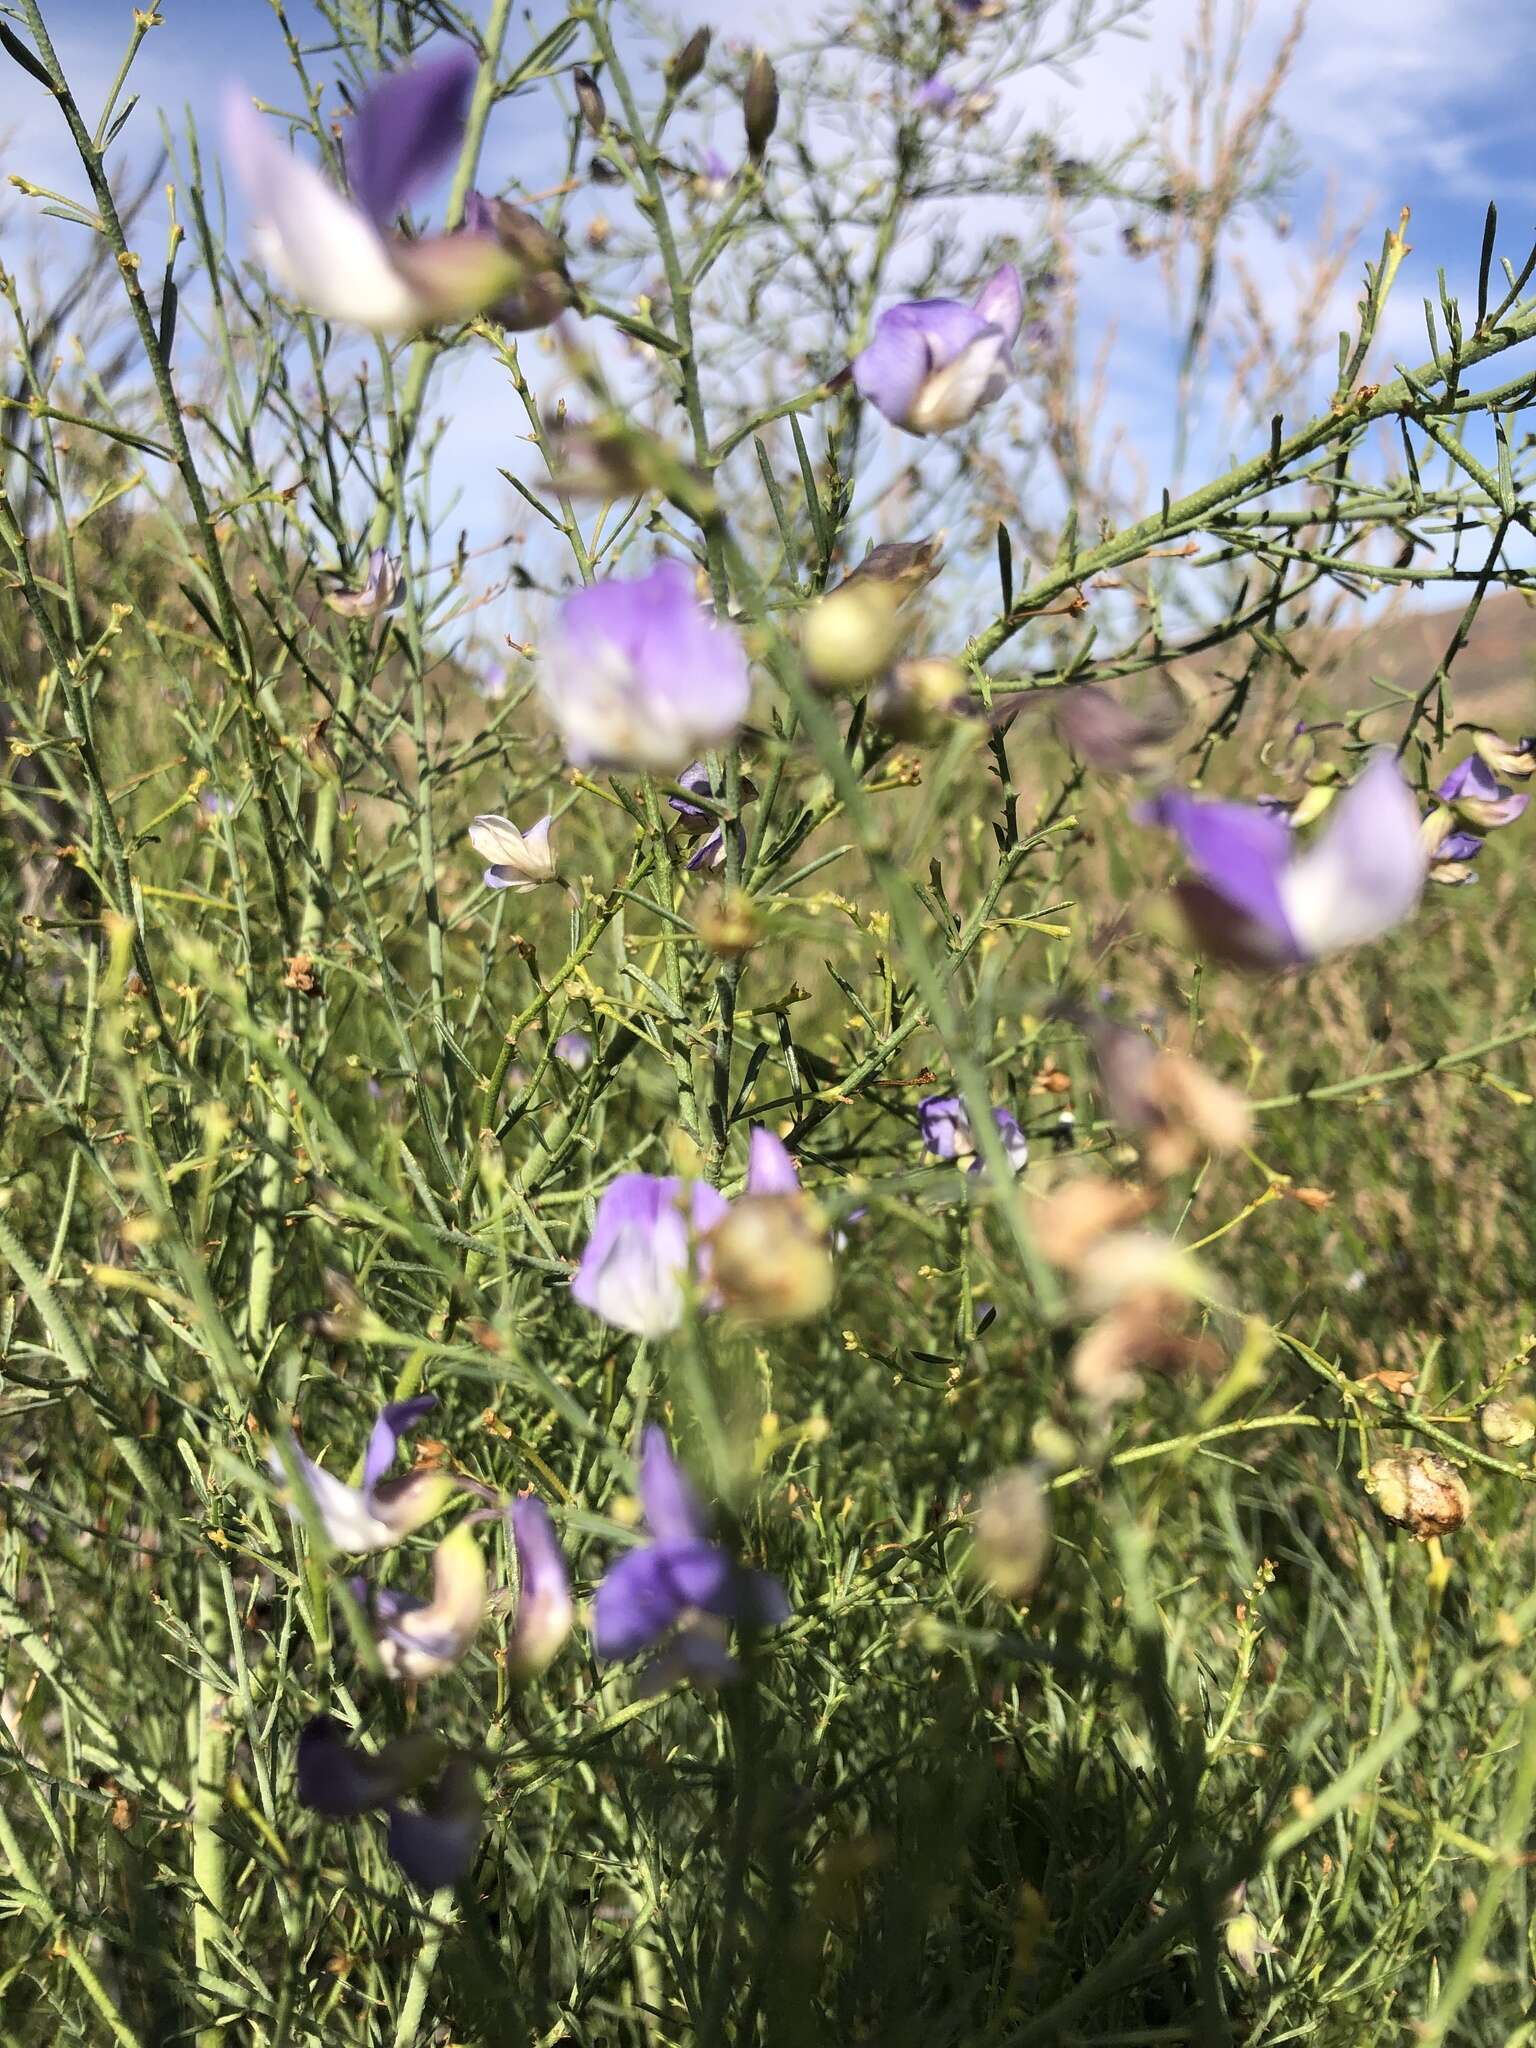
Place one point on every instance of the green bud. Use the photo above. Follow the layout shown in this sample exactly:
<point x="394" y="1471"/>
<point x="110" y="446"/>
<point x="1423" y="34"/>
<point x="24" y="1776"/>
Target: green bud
<point x="760" y="105"/>
<point x="688" y="62"/>
<point x="590" y="100"/>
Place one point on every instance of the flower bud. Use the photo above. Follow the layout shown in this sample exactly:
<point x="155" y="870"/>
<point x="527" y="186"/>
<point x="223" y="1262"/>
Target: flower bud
<point x="1311" y="807"/>
<point x="1100" y="730"/>
<point x="688" y="62"/>
<point x="907" y="563"/>
<point x="769" y="1258"/>
<point x="589" y="99"/>
<point x="1506" y="1422"/>
<point x="918" y="699"/>
<point x="848" y="637"/>
<point x="1420" y="1491"/>
<point x="760" y="105"/>
<point x="1011" y="1532"/>
<point x="727" y="922"/>
<point x="1245" y="1938"/>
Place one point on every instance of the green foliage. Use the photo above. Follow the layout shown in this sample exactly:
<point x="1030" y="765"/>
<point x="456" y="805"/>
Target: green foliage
<point x="283" y="1135"/>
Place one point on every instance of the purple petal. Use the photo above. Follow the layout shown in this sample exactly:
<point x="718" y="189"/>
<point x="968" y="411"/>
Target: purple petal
<point x="632" y="1270"/>
<point x="436" y="1846"/>
<point x="945" y="1127"/>
<point x="396" y="1420"/>
<point x="642" y="1595"/>
<point x="1015" y="1144"/>
<point x="770" y="1169"/>
<point x="1365" y="870"/>
<point x="575" y="1049"/>
<point x="406" y="130"/>
<point x="910" y="342"/>
<point x="1239" y="852"/>
<point x="673" y="1511"/>
<point x="1480" y="796"/>
<point x="639" y="675"/>
<point x="695" y="777"/>
<point x="1457" y="846"/>
<point x="1000" y="302"/>
<point x="340" y="1780"/>
<point x="544" y="1607"/>
<point x="936" y="96"/>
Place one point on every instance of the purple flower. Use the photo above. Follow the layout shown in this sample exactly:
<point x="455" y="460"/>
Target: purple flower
<point x="933" y="363"/>
<point x="544" y="1607"/>
<point x="638" y="675"/>
<point x="643" y="1248"/>
<point x="424" y="1638"/>
<point x="383" y="1511"/>
<point x="936" y="96"/>
<point x="712" y="179"/>
<point x="383" y="591"/>
<point x="340" y="257"/>
<point x="1514" y="758"/>
<point x="1258" y="901"/>
<point x="945" y="1126"/>
<point x="434" y="1843"/>
<point x="676" y="1592"/>
<point x="575" y="1049"/>
<point x="1452" y="855"/>
<point x="704" y="825"/>
<point x="1477" y="798"/>
<point x="770" y="1169"/>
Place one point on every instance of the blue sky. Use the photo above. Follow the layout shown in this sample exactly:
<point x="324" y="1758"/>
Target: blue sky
<point x="1392" y="103"/>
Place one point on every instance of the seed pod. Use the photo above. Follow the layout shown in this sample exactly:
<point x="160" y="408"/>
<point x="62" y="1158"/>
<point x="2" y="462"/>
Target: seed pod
<point x="590" y="100"/>
<point x="1506" y="1422"/>
<point x="1420" y="1491"/>
<point x="770" y="1258"/>
<point x="760" y="105"/>
<point x="688" y="62"/>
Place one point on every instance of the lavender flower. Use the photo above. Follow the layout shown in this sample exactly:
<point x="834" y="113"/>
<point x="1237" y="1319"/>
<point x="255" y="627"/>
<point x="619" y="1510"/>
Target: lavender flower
<point x="516" y="860"/>
<point x="544" y="1607"/>
<point x="936" y="96"/>
<point x="1478" y="799"/>
<point x="575" y="1049"/>
<point x="638" y="675"/>
<point x="1451" y="855"/>
<point x="339" y="257"/>
<point x="945" y="1126"/>
<point x="771" y="1257"/>
<point x="643" y="1248"/>
<point x="770" y="1168"/>
<point x="714" y="176"/>
<point x="424" y="1638"/>
<point x="677" y="1592"/>
<point x="434" y="1844"/>
<point x="1257" y="901"/>
<point x="383" y="591"/>
<point x="382" y="1511"/>
<point x="933" y="363"/>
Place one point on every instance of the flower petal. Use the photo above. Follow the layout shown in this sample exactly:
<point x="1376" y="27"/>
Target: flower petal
<point x="647" y="1591"/>
<point x="1001" y="302"/>
<point x="396" y="1420"/>
<point x="1365" y="870"/>
<point x="1239" y="852"/>
<point x="423" y="1639"/>
<point x="329" y="255"/>
<point x="544" y="1607"/>
<point x="406" y="129"/>
<point x="436" y="1846"/>
<point x="341" y="1780"/>
<point x="673" y="1511"/>
<point x="770" y="1168"/>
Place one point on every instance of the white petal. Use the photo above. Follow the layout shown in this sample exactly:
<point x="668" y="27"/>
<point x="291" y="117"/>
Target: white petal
<point x="328" y="254"/>
<point x="1365" y="870"/>
<point x="951" y="396"/>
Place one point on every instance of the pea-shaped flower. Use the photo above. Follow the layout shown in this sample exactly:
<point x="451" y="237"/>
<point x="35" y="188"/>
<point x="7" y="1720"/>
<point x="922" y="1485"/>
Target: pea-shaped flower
<point x="382" y="1511"/>
<point x="514" y="859"/>
<point x="944" y="1123"/>
<point x="932" y="364"/>
<point x="434" y="1840"/>
<point x="646" y="1244"/>
<point x="340" y="257"/>
<point x="676" y="1593"/>
<point x="382" y="592"/>
<point x="424" y="1638"/>
<point x="1258" y="899"/>
<point x="638" y="675"/>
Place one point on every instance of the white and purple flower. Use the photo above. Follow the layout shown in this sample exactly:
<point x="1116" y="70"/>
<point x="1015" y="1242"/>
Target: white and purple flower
<point x="340" y="257"/>
<point x="706" y="825"/>
<point x="418" y="1638"/>
<point x="638" y="675"/>
<point x="1258" y="900"/>
<point x="677" y="1594"/>
<point x="945" y="1126"/>
<point x="382" y="1511"/>
<point x="544" y="1608"/>
<point x="514" y="859"/>
<point x="646" y="1251"/>
<point x="382" y="592"/>
<point x="934" y="363"/>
